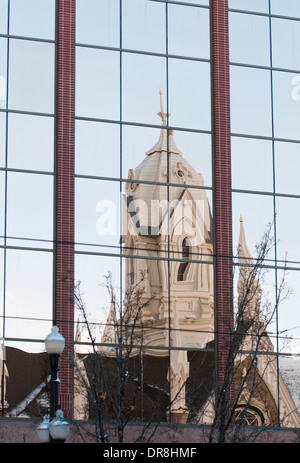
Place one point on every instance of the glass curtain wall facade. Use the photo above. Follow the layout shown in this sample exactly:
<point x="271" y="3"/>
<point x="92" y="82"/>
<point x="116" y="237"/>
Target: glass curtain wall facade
<point x="143" y="159"/>
<point x="27" y="105"/>
<point x="264" y="74"/>
<point x="153" y="180"/>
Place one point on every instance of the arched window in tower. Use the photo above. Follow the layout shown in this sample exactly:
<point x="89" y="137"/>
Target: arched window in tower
<point x="182" y="271"/>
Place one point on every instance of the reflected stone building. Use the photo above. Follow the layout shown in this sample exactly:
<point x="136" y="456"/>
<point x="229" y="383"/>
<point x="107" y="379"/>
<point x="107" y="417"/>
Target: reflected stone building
<point x="174" y="222"/>
<point x="159" y="223"/>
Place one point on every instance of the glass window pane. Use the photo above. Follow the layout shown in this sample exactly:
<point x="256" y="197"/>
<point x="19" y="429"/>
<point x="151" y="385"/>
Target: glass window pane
<point x="2" y="139"/>
<point x="289" y="314"/>
<point x="196" y="150"/>
<point x="286" y="105"/>
<point x="32" y="18"/>
<point x="143" y="76"/>
<point x="289" y="367"/>
<point x="144" y="26"/>
<point x="97" y="216"/>
<point x="250" y="101"/>
<point x="97" y="83"/>
<point x="265" y="304"/>
<point x="97" y="149"/>
<point x="286" y="8"/>
<point x="3" y="16"/>
<point x="255" y="219"/>
<point x="188" y="31"/>
<point x="3" y="71"/>
<point x="287" y="166"/>
<point x="249" y="39"/>
<point x="247" y="154"/>
<point x="30" y="142"/>
<point x="30" y="209"/>
<point x="91" y="272"/>
<point x="260" y="6"/>
<point x="97" y="23"/>
<point x="28" y="294"/>
<point x="189" y="94"/>
<point x="285" y="40"/>
<point x="31" y="83"/>
<point x="2" y="208"/>
<point x="288" y="222"/>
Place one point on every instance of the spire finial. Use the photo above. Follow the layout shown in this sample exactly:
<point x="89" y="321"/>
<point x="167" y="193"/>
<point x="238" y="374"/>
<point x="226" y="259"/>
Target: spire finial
<point x="162" y="114"/>
<point x="243" y="250"/>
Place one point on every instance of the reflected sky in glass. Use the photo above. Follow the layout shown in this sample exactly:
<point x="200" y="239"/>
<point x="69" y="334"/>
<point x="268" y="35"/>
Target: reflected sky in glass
<point x="257" y="212"/>
<point x="97" y="23"/>
<point x="28" y="293"/>
<point x="3" y="72"/>
<point x="189" y="94"/>
<point x="288" y="223"/>
<point x="246" y="155"/>
<point x="97" y="149"/>
<point x="249" y="39"/>
<point x="144" y="26"/>
<point x="287" y="166"/>
<point x="142" y="78"/>
<point x="25" y="149"/>
<point x="250" y="101"/>
<point x="286" y="101"/>
<point x="286" y="7"/>
<point x="2" y="139"/>
<point x="259" y="6"/>
<point x="90" y="271"/>
<point x="3" y="16"/>
<point x="31" y="71"/>
<point x="32" y="18"/>
<point x="97" y="83"/>
<point x="285" y="43"/>
<point x="188" y="31"/>
<point x="97" y="215"/>
<point x="30" y="209"/>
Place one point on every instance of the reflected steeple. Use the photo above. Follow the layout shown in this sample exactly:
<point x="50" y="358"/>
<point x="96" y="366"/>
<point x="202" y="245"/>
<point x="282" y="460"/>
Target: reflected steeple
<point x="244" y="253"/>
<point x="162" y="114"/>
<point x="166" y="141"/>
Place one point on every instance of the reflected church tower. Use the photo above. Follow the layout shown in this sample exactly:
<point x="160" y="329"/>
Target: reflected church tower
<point x="167" y="233"/>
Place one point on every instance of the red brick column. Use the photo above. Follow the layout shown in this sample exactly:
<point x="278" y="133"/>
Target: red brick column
<point x="64" y="214"/>
<point x="222" y="185"/>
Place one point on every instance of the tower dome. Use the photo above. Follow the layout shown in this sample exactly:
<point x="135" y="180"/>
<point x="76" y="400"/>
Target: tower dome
<point x="159" y="181"/>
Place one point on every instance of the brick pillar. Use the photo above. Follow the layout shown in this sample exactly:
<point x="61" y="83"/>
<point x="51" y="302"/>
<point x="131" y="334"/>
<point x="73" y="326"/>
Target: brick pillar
<point x="222" y="185"/>
<point x="64" y="213"/>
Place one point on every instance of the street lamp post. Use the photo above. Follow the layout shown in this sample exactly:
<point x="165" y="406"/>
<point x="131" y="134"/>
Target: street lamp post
<point x="56" y="430"/>
<point x="55" y="344"/>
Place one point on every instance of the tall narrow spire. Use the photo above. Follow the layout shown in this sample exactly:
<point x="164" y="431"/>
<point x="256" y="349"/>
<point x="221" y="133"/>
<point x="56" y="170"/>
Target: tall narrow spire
<point x="248" y="284"/>
<point x="244" y="253"/>
<point x="162" y="114"/>
<point x="166" y="141"/>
